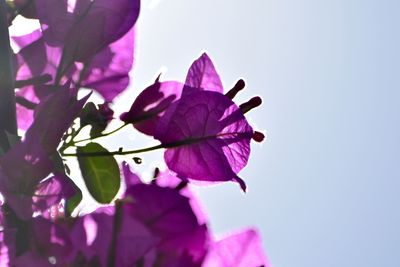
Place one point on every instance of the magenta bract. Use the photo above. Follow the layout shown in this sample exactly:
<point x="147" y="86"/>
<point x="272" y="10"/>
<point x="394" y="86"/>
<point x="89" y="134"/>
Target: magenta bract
<point x="214" y="137"/>
<point x="93" y="236"/>
<point x="100" y="22"/>
<point x="107" y="73"/>
<point x="51" y="191"/>
<point x="203" y="75"/>
<point x="28" y="162"/>
<point x="208" y="134"/>
<point x="169" y="216"/>
<point x="151" y="104"/>
<point x="130" y="178"/>
<point x="240" y="250"/>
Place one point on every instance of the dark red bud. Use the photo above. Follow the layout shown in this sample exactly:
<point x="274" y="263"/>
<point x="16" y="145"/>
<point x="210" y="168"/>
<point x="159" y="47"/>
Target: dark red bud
<point x="98" y="117"/>
<point x="106" y="112"/>
<point x="258" y="136"/>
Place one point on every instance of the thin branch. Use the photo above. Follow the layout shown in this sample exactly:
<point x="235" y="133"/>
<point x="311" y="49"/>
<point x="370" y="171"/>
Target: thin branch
<point x="25" y="102"/>
<point x="43" y="79"/>
<point x="120" y="152"/>
<point x="102" y="135"/>
<point x="112" y="153"/>
<point x="8" y="121"/>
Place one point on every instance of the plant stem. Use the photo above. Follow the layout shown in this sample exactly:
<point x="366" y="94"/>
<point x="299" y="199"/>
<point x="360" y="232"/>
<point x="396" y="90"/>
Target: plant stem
<point x="117" y="225"/>
<point x="66" y="145"/>
<point x="8" y="120"/>
<point x="102" y="135"/>
<point x="184" y="142"/>
<point x="8" y="123"/>
<point x="120" y="152"/>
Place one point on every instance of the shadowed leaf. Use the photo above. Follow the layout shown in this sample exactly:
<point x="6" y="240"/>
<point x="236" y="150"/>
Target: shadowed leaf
<point x="101" y="174"/>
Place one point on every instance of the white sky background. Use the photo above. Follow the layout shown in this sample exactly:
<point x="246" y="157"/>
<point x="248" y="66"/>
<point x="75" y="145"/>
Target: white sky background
<point x="324" y="187"/>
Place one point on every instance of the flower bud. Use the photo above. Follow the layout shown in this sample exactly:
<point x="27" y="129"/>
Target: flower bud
<point x="98" y="118"/>
<point x="258" y="136"/>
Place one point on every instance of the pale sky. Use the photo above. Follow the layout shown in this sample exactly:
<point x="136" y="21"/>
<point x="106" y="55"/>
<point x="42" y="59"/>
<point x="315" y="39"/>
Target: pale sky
<point x="324" y="188"/>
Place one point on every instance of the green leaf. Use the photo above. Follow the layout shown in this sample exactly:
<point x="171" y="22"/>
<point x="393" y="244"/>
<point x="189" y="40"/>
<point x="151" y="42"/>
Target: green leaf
<point x="59" y="166"/>
<point x="100" y="173"/>
<point x="73" y="202"/>
<point x="13" y="139"/>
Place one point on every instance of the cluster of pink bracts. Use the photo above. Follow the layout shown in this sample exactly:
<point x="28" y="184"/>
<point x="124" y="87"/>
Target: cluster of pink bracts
<point x="205" y="135"/>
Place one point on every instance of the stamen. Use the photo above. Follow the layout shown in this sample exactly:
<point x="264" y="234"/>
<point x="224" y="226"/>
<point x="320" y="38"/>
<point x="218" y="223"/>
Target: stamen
<point x="249" y="105"/>
<point x="239" y="86"/>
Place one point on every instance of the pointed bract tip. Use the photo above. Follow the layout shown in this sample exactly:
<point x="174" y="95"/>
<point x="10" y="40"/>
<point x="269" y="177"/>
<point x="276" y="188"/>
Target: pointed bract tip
<point x="158" y="78"/>
<point x="204" y="55"/>
<point x="67" y="84"/>
<point x="241" y="183"/>
<point x="86" y="97"/>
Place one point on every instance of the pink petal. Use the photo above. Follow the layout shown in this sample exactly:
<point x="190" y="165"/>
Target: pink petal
<point x="239" y="250"/>
<point x="202" y="74"/>
<point x="151" y="104"/>
<point x="214" y="137"/>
